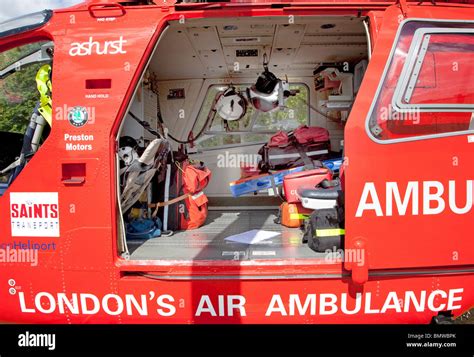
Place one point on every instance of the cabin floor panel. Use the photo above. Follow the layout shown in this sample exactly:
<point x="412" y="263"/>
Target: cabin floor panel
<point x="208" y="242"/>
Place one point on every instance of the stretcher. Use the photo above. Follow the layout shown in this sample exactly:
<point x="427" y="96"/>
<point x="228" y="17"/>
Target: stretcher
<point x="260" y="182"/>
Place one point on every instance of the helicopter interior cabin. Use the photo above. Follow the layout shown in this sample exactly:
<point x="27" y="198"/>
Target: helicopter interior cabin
<point x="206" y="86"/>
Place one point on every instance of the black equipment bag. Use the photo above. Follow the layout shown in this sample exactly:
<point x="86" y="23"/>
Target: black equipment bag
<point x="324" y="230"/>
<point x="292" y="155"/>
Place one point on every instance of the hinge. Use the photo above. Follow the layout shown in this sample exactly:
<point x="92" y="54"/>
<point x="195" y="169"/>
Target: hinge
<point x="403" y="7"/>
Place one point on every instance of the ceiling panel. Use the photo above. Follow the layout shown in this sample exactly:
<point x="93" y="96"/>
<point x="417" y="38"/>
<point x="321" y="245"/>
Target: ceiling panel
<point x="235" y="27"/>
<point x="213" y="59"/>
<point x="332" y="25"/>
<point x="247" y="41"/>
<point x="177" y="57"/>
<point x="204" y="38"/>
<point x="206" y="48"/>
<point x="314" y="54"/>
<point x="282" y="57"/>
<point x="289" y="36"/>
<point x="320" y="39"/>
<point x="231" y="58"/>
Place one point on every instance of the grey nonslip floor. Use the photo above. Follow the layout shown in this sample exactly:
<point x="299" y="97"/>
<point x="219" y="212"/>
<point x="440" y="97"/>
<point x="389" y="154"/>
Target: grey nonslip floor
<point x="208" y="242"/>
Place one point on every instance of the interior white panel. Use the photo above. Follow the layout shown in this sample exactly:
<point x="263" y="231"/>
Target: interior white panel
<point x="177" y="112"/>
<point x="289" y="36"/>
<point x="130" y="126"/>
<point x="314" y="54"/>
<point x="213" y="60"/>
<point x="176" y="57"/>
<point x="348" y="25"/>
<point x="245" y="64"/>
<point x="282" y="57"/>
<point x="247" y="41"/>
<point x="150" y="104"/>
<point x="200" y="47"/>
<point x="204" y="38"/>
<point x="238" y="27"/>
<point x="330" y="39"/>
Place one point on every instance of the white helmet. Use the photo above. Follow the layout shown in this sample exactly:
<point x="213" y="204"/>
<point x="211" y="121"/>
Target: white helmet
<point x="266" y="102"/>
<point x="231" y="105"/>
<point x="269" y="92"/>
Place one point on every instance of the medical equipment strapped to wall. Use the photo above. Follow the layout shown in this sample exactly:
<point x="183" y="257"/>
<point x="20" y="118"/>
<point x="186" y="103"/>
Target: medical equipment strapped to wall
<point x="180" y="201"/>
<point x="139" y="171"/>
<point x="295" y="148"/>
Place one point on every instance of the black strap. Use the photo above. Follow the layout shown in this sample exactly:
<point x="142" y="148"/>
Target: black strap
<point x="181" y="192"/>
<point x="307" y="161"/>
<point x="146" y="125"/>
<point x="330" y="183"/>
<point x="275" y="188"/>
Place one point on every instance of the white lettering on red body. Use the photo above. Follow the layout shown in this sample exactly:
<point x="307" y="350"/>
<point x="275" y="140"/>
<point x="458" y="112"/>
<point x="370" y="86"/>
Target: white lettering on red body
<point x="309" y="304"/>
<point x="434" y="197"/>
<point x="90" y="47"/>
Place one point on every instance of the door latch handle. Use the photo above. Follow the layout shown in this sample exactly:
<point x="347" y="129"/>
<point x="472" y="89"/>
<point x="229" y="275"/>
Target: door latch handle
<point x="360" y="269"/>
<point x="101" y="10"/>
<point x="73" y="173"/>
<point x="74" y="180"/>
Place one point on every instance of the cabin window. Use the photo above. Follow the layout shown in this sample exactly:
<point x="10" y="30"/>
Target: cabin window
<point x="428" y="87"/>
<point x="439" y="74"/>
<point x="25" y="23"/>
<point x="255" y="127"/>
<point x="24" y="72"/>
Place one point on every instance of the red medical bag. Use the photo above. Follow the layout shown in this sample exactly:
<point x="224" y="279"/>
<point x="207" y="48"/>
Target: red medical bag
<point x="302" y="180"/>
<point x="187" y="203"/>
<point x="195" y="179"/>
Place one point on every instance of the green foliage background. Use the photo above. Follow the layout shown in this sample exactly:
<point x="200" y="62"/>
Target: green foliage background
<point x="18" y="93"/>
